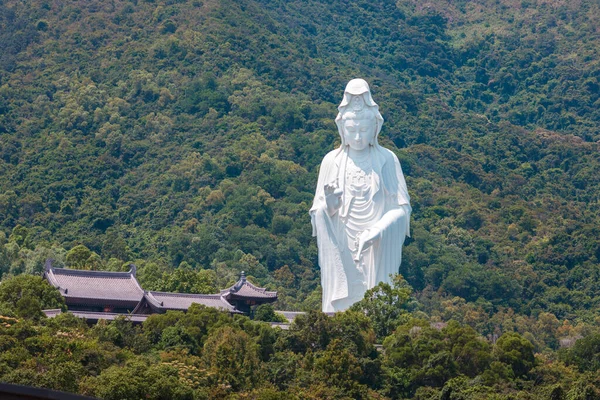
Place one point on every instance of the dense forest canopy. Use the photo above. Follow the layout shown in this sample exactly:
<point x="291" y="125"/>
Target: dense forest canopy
<point x="185" y="136"/>
<point x="170" y="132"/>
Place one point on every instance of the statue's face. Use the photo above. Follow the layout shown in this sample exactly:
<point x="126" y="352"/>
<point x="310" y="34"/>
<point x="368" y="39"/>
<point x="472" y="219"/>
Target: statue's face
<point x="359" y="133"/>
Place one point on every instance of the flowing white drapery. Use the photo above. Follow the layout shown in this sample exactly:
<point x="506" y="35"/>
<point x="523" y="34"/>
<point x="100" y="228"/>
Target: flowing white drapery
<point x="386" y="206"/>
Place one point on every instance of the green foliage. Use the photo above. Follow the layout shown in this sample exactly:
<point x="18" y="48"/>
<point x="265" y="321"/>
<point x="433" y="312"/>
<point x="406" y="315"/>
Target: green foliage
<point x="386" y="306"/>
<point x="26" y="296"/>
<point x="587" y="387"/>
<point x="193" y="149"/>
<point x="266" y="312"/>
<point x="515" y="351"/>
<point x="418" y="354"/>
<point x="231" y="358"/>
<point x="122" y="333"/>
<point x="340" y="368"/>
<point x="138" y="379"/>
<point x="80" y="257"/>
<point x="204" y="137"/>
<point x="185" y="280"/>
<point x="585" y="353"/>
<point x="209" y="354"/>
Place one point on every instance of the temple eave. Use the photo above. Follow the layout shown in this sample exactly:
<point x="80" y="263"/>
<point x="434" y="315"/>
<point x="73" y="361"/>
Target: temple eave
<point x="249" y="298"/>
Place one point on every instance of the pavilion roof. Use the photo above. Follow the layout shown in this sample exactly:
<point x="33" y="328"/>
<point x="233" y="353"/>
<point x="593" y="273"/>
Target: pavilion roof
<point x="247" y="291"/>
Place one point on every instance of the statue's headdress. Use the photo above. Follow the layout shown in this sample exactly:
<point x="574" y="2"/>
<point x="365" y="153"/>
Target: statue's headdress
<point x="358" y="87"/>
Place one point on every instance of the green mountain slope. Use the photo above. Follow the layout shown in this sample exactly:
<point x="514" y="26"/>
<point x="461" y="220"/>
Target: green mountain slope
<point x="173" y="132"/>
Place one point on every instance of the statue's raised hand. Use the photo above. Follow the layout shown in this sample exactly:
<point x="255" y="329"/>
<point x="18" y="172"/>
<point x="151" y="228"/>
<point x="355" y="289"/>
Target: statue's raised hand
<point x="333" y="198"/>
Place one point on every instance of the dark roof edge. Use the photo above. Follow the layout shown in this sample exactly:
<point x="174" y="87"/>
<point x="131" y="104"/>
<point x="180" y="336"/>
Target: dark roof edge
<point x="93" y="274"/>
<point x="9" y="390"/>
<point x="263" y="299"/>
<point x="99" y="300"/>
<point x="197" y="295"/>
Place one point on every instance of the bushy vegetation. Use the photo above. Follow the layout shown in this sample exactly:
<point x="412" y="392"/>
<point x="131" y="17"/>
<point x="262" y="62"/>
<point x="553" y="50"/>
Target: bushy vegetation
<point x="185" y="136"/>
<point x="208" y="354"/>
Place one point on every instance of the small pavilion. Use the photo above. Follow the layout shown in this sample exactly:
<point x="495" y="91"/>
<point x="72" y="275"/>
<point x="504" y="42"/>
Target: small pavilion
<point x="244" y="295"/>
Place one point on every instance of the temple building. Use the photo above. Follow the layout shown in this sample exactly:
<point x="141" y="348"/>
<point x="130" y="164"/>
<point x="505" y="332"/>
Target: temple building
<point x="96" y="295"/>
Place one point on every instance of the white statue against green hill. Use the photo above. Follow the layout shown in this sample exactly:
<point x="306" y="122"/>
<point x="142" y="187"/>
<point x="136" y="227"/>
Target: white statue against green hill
<point x="361" y="211"/>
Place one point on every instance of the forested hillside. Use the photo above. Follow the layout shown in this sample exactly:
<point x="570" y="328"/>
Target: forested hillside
<point x="185" y="136"/>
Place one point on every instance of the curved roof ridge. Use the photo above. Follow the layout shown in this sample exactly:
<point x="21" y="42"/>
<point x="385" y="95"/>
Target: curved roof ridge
<point x="93" y="274"/>
<point x="132" y="273"/>
<point x="256" y="288"/>
<point x="150" y="297"/>
<point x="253" y="286"/>
<point x="243" y="282"/>
<point x="49" y="273"/>
<point x="246" y="290"/>
<point x="228" y="305"/>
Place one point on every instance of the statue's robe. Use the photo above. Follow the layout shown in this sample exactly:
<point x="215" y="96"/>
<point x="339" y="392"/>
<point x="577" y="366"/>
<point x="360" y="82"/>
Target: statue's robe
<point x="389" y="210"/>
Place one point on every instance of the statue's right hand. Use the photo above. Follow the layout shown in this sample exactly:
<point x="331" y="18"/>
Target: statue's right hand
<point x="333" y="198"/>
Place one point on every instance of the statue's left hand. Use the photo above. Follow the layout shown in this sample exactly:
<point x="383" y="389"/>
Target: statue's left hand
<point x="366" y="240"/>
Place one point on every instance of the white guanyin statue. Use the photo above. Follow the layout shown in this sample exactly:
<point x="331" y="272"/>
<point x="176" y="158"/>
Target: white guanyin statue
<point x="361" y="211"/>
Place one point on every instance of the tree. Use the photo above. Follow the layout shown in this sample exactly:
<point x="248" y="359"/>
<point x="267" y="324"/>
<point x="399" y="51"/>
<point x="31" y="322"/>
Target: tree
<point x="340" y="367"/>
<point x="468" y="348"/>
<point x="185" y="280"/>
<point x="137" y="379"/>
<point x="311" y="331"/>
<point x="585" y="353"/>
<point x="419" y="354"/>
<point x="26" y="296"/>
<point x="80" y="257"/>
<point x="387" y="306"/>
<point x="231" y="358"/>
<point x="266" y="312"/>
<point x="517" y="352"/>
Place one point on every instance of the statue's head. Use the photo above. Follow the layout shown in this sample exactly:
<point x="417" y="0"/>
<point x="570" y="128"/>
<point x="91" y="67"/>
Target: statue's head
<point x="359" y="128"/>
<point x="358" y="113"/>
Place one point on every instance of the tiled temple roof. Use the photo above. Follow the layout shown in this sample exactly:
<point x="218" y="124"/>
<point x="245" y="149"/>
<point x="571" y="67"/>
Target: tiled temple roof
<point x="95" y="287"/>
<point x="245" y="290"/>
<point x="92" y="290"/>
<point x="182" y="301"/>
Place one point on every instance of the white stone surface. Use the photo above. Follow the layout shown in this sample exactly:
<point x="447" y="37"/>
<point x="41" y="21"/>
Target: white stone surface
<point x="361" y="211"/>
